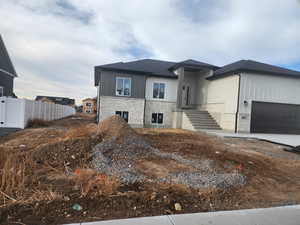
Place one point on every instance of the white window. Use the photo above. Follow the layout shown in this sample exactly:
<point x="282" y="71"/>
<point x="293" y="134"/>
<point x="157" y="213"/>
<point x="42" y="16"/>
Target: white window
<point x="123" y="86"/>
<point x="159" y="90"/>
<point x="1" y="91"/>
<point x="157" y="118"/>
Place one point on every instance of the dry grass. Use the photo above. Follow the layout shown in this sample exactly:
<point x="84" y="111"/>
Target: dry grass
<point x="36" y="123"/>
<point x="12" y="175"/>
<point x="81" y="131"/>
<point x="48" y="196"/>
<point x="93" y="183"/>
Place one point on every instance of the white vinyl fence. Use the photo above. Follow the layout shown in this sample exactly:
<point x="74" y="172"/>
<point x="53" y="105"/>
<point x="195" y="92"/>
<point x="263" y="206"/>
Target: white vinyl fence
<point x="15" y="113"/>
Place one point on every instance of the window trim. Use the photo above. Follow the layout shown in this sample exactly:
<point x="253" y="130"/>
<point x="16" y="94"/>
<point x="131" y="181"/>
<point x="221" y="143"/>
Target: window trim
<point x="1" y="91"/>
<point x="121" y="114"/>
<point x="123" y="84"/>
<point x="163" y="121"/>
<point x="159" y="84"/>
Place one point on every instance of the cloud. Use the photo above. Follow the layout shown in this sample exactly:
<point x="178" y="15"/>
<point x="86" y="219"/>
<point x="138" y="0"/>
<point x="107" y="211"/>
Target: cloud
<point x="55" y="44"/>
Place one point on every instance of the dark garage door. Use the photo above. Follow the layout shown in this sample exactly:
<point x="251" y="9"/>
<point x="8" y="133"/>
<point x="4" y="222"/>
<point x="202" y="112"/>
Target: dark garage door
<point x="275" y="118"/>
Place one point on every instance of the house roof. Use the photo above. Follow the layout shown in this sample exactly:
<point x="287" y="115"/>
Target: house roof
<point x="5" y="62"/>
<point x="194" y="64"/>
<point x="252" y="66"/>
<point x="57" y="100"/>
<point x="145" y="66"/>
<point x="165" y="68"/>
<point x="89" y="99"/>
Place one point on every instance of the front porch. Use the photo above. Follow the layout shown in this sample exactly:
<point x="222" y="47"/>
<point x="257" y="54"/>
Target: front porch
<point x="191" y="112"/>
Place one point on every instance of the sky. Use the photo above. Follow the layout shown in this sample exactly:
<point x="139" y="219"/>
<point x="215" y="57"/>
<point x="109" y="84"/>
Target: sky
<point x="55" y="44"/>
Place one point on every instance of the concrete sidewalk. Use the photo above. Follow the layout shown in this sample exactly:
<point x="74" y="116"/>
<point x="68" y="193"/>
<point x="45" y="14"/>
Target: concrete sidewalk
<point x="284" y="139"/>
<point x="287" y="215"/>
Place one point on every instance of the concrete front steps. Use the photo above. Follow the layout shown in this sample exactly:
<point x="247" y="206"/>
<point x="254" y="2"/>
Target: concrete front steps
<point x="201" y="120"/>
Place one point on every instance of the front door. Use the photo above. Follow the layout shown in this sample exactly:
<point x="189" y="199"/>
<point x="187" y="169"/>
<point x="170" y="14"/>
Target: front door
<point x="186" y="96"/>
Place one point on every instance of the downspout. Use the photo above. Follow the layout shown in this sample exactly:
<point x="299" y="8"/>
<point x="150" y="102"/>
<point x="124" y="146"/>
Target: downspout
<point x="98" y="99"/>
<point x="238" y="106"/>
<point x="144" y="102"/>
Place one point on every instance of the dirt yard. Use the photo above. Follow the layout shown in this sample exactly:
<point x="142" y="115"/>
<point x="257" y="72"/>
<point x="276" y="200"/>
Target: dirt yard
<point x="73" y="170"/>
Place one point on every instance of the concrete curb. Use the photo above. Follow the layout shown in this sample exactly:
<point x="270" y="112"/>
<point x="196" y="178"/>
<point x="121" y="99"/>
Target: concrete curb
<point x="286" y="215"/>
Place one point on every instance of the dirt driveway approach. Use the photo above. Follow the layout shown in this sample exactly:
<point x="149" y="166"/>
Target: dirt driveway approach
<point x="76" y="171"/>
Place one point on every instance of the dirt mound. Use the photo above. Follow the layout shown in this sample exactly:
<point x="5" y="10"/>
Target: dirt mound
<point x="116" y="127"/>
<point x="70" y="153"/>
<point x="124" y="154"/>
<point x="45" y="172"/>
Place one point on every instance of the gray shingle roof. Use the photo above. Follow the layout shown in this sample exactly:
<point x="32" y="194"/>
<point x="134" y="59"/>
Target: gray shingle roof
<point x="194" y="63"/>
<point x="5" y="62"/>
<point x="252" y="66"/>
<point x="145" y="66"/>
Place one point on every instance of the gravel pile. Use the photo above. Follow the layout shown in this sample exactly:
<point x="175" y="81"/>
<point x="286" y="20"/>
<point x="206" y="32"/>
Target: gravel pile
<point x="117" y="155"/>
<point x="118" y="159"/>
<point x="205" y="180"/>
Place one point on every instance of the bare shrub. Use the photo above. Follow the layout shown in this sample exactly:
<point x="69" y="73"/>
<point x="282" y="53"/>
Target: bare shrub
<point x="36" y="123"/>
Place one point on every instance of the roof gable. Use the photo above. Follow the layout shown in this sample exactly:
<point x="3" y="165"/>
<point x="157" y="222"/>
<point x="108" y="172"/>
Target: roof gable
<point x="194" y="63"/>
<point x="5" y="62"/>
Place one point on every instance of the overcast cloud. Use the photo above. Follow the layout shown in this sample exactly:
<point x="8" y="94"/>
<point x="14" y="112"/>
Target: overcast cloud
<point x="55" y="44"/>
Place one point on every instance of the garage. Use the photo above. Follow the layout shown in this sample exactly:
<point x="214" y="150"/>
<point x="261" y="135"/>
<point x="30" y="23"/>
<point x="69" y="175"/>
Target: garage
<point x="275" y="118"/>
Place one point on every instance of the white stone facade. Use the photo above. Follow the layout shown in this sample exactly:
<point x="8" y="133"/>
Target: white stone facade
<point x="164" y="107"/>
<point x="134" y="106"/>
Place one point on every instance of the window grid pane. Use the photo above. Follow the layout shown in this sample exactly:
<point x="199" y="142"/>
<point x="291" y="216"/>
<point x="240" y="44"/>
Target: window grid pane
<point x="162" y="91"/>
<point x="160" y="118"/>
<point x="125" y="116"/>
<point x="155" y="90"/>
<point x="154" y="118"/>
<point x="120" y="90"/>
<point x="127" y="87"/>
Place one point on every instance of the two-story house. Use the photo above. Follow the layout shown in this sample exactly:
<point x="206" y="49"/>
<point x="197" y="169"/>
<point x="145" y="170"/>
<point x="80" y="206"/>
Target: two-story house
<point x="7" y="72"/>
<point x="89" y="105"/>
<point x="245" y="96"/>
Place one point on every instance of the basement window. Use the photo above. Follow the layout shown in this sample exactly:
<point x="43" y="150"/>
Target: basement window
<point x="159" y="90"/>
<point x="123" y="86"/>
<point x="123" y="114"/>
<point x="157" y="118"/>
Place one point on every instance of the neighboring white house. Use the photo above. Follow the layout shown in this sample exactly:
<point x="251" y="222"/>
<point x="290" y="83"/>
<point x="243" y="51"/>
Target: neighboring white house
<point x="245" y="96"/>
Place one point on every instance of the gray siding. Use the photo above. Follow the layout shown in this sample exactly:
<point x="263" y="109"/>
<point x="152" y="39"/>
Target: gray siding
<point x="108" y="83"/>
<point x="7" y="82"/>
<point x="5" y="62"/>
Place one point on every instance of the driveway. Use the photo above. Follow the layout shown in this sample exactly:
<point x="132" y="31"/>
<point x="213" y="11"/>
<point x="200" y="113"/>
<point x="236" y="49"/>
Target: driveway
<point x="284" y="139"/>
<point x="288" y="215"/>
